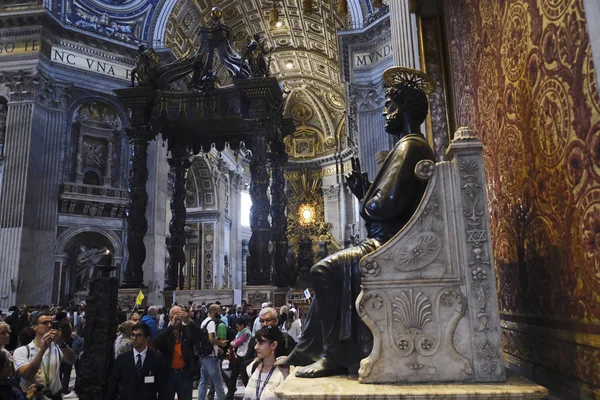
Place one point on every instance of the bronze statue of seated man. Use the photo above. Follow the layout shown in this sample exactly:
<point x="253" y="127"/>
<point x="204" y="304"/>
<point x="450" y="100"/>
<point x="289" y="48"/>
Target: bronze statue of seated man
<point x="334" y="337"/>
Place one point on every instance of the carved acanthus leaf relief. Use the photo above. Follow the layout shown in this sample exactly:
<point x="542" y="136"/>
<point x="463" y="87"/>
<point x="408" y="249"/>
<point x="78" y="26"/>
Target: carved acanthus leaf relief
<point x="332" y="192"/>
<point x="368" y="98"/>
<point x="489" y="357"/>
<point x="33" y="85"/>
<point x="413" y="312"/>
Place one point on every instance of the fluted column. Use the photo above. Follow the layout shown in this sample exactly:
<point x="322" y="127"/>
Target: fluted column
<point x="179" y="163"/>
<point x="281" y="273"/>
<point x="12" y="197"/>
<point x="259" y="266"/>
<point x="405" y="37"/>
<point x="135" y="214"/>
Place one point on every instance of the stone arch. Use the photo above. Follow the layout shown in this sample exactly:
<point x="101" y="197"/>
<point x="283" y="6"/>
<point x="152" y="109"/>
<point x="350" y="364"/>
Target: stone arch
<point x="65" y="238"/>
<point x="356" y="9"/>
<point x="70" y="246"/>
<point x="158" y="32"/>
<point x="201" y="189"/>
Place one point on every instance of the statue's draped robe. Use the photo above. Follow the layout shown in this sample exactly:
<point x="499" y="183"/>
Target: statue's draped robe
<point x="333" y="328"/>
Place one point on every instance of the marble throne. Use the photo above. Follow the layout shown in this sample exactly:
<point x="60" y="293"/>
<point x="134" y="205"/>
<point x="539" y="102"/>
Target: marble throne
<point x="429" y="294"/>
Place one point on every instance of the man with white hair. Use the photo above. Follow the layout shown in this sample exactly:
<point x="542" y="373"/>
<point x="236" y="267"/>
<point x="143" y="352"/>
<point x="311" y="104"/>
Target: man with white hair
<point x="257" y="325"/>
<point x="267" y="317"/>
<point x="151" y="319"/>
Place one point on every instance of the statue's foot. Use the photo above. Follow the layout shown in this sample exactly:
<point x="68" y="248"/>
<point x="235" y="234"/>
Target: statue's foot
<point x="319" y="369"/>
<point x="296" y="359"/>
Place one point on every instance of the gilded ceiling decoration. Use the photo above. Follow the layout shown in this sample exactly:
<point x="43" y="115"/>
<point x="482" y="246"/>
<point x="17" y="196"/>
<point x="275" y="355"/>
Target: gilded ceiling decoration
<point x="303" y="56"/>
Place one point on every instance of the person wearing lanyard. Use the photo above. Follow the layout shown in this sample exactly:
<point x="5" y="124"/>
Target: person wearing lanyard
<point x="265" y="376"/>
<point x="39" y="361"/>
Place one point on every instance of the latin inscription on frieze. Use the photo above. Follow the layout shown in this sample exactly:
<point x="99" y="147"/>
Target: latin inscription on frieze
<point x="90" y="63"/>
<point x="14" y="47"/>
<point x="372" y="58"/>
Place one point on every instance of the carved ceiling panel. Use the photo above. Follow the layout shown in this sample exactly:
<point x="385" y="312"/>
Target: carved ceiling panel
<point x="304" y="56"/>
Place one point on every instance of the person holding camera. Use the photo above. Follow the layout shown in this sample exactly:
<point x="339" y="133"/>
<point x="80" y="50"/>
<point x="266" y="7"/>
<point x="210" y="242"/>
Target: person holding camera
<point x="39" y="361"/>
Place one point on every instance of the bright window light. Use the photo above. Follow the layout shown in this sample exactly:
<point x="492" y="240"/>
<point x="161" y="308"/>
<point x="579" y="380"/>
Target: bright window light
<point x="245" y="212"/>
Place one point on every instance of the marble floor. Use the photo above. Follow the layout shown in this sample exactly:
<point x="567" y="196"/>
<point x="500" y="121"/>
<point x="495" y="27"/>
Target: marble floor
<point x="239" y="394"/>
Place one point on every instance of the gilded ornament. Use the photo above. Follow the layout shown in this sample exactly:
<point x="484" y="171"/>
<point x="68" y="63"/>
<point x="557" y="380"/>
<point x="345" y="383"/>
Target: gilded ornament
<point x="410" y="77"/>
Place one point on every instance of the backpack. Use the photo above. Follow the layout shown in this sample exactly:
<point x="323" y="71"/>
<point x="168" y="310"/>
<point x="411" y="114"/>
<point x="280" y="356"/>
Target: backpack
<point x="205" y="347"/>
<point x="231" y="334"/>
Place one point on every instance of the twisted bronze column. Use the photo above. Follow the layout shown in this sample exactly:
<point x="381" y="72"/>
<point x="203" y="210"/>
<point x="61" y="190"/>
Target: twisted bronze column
<point x="259" y="265"/>
<point x="281" y="275"/>
<point x="179" y="163"/>
<point x="135" y="213"/>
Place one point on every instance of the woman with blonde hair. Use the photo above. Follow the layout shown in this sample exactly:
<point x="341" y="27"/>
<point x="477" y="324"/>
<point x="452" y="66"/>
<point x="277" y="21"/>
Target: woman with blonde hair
<point x="5" y="338"/>
<point x="123" y="341"/>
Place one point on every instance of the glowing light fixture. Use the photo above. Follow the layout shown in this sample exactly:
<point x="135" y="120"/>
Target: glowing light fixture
<point x="274" y="20"/>
<point x="306" y="214"/>
<point x="289" y="64"/>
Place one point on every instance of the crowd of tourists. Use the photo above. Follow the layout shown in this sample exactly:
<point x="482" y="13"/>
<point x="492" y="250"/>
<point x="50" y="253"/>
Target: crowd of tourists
<point x="158" y="353"/>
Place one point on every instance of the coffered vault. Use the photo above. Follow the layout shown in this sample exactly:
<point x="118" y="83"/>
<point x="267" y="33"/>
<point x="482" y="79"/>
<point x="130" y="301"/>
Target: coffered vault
<point x="304" y="57"/>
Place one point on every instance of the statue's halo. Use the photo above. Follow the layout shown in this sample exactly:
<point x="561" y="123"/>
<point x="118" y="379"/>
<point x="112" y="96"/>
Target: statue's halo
<point x="410" y="77"/>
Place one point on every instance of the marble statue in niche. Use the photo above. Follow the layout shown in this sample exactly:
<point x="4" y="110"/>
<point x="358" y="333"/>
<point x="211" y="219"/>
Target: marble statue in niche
<point x="333" y="334"/>
<point x="87" y="260"/>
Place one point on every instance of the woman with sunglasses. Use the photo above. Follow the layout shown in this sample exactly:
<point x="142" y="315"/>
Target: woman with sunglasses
<point x="265" y="376"/>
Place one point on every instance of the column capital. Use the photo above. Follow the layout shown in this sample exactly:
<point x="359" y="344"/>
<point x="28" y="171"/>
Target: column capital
<point x="33" y="85"/>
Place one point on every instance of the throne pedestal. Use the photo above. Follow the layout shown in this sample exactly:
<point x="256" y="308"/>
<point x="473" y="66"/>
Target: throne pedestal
<point x="342" y="387"/>
<point x="429" y="298"/>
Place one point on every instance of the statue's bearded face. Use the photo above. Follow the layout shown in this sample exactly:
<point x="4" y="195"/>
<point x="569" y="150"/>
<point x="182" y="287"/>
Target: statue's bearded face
<point x="393" y="115"/>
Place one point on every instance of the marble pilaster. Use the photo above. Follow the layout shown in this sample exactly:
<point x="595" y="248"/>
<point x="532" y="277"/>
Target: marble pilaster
<point x="29" y="190"/>
<point x="154" y="270"/>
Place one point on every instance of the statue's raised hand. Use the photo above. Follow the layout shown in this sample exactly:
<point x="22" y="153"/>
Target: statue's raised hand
<point x="356" y="180"/>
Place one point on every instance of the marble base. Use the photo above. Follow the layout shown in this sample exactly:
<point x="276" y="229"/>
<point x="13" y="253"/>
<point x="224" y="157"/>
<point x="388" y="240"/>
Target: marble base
<point x="225" y="296"/>
<point x="127" y="298"/>
<point x="343" y="387"/>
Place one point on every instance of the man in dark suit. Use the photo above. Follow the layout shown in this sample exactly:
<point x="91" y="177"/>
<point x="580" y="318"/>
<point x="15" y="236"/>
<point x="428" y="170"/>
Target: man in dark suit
<point x="137" y="374"/>
<point x="234" y="317"/>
